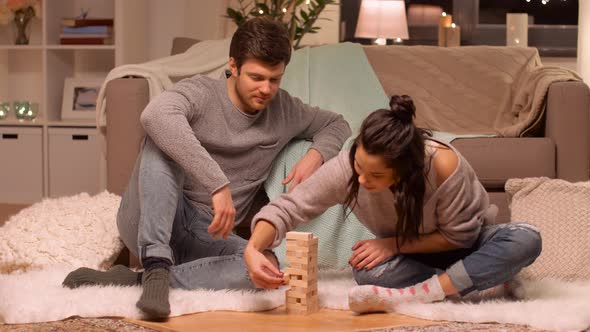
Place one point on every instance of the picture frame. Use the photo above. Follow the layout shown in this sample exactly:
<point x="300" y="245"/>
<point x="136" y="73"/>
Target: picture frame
<point x="80" y="97"/>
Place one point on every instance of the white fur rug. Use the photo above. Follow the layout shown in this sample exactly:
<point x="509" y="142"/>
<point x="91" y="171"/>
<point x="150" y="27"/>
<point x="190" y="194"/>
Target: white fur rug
<point x="37" y="296"/>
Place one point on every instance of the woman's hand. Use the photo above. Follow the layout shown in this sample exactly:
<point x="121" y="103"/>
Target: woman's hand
<point x="263" y="273"/>
<point x="369" y="253"/>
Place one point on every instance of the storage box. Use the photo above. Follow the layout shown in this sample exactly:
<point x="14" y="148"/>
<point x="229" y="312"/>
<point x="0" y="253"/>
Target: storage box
<point x="21" y="167"/>
<point x="73" y="161"/>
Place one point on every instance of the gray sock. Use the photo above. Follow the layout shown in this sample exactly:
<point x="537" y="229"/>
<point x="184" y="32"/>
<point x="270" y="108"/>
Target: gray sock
<point x="118" y="275"/>
<point x="154" y="298"/>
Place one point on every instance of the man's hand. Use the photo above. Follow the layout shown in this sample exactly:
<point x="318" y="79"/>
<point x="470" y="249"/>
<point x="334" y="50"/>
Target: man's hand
<point x="225" y="213"/>
<point x="369" y="253"/>
<point x="304" y="168"/>
<point x="263" y="273"/>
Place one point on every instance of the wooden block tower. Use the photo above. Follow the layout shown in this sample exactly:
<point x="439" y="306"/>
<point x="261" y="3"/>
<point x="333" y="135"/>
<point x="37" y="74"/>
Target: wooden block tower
<point x="302" y="256"/>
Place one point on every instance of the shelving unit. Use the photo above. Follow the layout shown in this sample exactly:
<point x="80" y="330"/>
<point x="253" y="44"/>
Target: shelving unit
<point x="36" y="73"/>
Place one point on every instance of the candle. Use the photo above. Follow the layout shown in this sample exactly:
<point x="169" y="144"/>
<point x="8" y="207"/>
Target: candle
<point x="453" y="35"/>
<point x="517" y="30"/>
<point x="444" y="22"/>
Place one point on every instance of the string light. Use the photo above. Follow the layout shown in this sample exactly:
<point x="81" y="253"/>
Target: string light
<point x="544" y="2"/>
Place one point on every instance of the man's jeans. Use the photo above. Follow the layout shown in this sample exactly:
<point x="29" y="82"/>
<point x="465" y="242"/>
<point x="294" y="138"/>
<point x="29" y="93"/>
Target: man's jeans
<point x="156" y="220"/>
<point x="500" y="252"/>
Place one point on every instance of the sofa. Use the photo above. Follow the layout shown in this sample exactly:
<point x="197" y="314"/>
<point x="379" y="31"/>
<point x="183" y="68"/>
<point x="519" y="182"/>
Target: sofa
<point x="560" y="147"/>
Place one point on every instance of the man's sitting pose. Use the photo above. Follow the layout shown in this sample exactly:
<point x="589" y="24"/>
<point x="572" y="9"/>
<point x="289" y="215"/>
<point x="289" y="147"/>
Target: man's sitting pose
<point x="209" y="148"/>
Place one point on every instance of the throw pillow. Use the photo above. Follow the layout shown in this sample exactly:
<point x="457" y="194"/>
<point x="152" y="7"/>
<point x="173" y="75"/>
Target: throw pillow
<point x="79" y="231"/>
<point x="561" y="211"/>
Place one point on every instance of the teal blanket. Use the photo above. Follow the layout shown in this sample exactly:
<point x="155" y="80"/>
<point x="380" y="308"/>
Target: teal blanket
<point x="338" y="78"/>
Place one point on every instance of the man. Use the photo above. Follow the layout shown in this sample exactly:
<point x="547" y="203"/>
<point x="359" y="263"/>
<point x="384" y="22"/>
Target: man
<point x="209" y="148"/>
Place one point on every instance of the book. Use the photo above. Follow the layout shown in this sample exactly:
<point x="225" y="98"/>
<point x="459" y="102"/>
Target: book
<point x="83" y="22"/>
<point x="86" y="41"/>
<point x="94" y="29"/>
<point x="84" y="35"/>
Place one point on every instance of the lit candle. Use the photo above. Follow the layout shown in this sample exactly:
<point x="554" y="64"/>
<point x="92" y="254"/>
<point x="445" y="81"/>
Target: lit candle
<point x="453" y="35"/>
<point x="444" y="22"/>
<point x="517" y="28"/>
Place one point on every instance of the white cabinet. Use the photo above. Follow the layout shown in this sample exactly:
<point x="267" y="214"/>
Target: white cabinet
<point x="21" y="166"/>
<point x="73" y="161"/>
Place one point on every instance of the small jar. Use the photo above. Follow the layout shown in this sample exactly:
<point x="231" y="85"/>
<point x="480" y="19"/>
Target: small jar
<point x="21" y="108"/>
<point x="4" y="110"/>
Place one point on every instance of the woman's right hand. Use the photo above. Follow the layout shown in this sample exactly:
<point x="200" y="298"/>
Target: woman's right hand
<point x="263" y="273"/>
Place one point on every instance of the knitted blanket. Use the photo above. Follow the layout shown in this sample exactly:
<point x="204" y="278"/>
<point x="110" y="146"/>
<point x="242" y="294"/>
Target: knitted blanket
<point x="469" y="90"/>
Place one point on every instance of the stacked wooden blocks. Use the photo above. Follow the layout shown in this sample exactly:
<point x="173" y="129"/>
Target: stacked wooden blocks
<point x="302" y="256"/>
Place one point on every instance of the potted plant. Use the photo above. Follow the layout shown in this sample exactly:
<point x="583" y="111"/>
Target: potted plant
<point x="298" y="16"/>
<point x="20" y="12"/>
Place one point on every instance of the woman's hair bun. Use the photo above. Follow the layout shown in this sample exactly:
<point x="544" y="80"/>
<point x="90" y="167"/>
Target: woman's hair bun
<point x="402" y="108"/>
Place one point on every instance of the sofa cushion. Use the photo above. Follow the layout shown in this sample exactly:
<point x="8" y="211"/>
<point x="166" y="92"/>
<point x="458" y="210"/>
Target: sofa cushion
<point x="495" y="160"/>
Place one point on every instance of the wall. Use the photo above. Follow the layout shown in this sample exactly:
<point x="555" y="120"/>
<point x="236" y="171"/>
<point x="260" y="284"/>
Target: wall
<point x="159" y="21"/>
<point x="584" y="39"/>
<point x="201" y="19"/>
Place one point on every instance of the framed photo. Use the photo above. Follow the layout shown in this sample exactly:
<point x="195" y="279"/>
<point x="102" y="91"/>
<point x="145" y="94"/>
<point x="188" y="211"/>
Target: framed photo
<point x="79" y="98"/>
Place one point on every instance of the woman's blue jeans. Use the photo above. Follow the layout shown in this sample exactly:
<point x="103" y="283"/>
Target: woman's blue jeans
<point x="499" y="253"/>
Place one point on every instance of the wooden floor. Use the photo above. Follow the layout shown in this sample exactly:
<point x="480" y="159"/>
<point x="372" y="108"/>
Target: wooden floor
<point x="278" y="320"/>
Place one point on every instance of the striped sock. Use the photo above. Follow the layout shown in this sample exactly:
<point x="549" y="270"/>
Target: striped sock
<point x="370" y="298"/>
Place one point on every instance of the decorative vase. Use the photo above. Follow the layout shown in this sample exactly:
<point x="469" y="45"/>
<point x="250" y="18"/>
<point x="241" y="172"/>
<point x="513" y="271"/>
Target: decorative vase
<point x="22" y="18"/>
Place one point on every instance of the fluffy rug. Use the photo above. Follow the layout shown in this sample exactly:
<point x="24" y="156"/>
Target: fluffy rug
<point x="37" y="296"/>
<point x="77" y="230"/>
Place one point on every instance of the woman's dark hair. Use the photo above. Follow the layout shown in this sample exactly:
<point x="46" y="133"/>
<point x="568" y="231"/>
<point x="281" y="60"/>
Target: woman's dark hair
<point x="263" y="39"/>
<point x="391" y="133"/>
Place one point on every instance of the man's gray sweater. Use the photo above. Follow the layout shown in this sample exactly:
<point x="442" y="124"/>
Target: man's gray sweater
<point x="196" y="125"/>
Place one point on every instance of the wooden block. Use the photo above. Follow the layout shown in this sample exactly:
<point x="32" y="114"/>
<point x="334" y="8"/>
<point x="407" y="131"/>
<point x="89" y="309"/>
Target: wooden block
<point x="301" y="283"/>
<point x="302" y="292"/>
<point x="306" y="260"/>
<point x="299" y="236"/>
<point x="314" y="300"/>
<point x="308" y="278"/>
<point x="301" y="251"/>
<point x="292" y="243"/>
<point x="301" y="309"/>
<point x="296" y="271"/>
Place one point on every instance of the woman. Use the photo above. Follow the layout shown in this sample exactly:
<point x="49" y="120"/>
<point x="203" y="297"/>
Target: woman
<point x="431" y="216"/>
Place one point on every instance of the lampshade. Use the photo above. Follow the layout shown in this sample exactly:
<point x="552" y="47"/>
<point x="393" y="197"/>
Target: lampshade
<point x="382" y="19"/>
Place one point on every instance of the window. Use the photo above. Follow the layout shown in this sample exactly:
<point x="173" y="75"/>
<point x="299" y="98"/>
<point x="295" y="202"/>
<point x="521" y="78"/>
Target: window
<point x="552" y="26"/>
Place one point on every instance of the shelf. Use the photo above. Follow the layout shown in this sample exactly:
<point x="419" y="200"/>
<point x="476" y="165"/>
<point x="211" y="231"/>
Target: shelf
<point x="21" y="47"/>
<point x="73" y="123"/>
<point x="80" y="47"/>
<point x="22" y="123"/>
<point x="37" y="73"/>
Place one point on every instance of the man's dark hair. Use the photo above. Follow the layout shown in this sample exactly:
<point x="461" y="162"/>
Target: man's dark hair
<point x="263" y="39"/>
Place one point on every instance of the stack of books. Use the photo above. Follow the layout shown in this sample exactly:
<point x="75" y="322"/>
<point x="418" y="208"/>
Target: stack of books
<point x="86" y="31"/>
